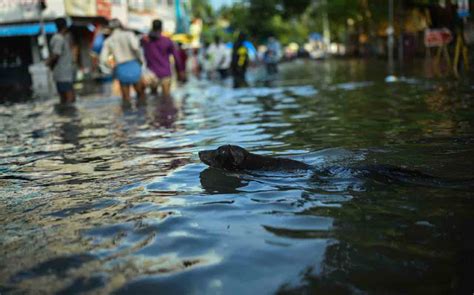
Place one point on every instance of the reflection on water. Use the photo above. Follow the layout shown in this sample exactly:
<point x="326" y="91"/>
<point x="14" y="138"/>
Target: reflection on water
<point x="98" y="198"/>
<point x="215" y="181"/>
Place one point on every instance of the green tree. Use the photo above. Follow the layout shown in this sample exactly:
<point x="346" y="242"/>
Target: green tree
<point x="202" y="9"/>
<point x="263" y="18"/>
<point x="293" y="20"/>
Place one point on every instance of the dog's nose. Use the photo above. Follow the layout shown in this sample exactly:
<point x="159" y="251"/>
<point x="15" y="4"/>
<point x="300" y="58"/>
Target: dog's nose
<point x="202" y="155"/>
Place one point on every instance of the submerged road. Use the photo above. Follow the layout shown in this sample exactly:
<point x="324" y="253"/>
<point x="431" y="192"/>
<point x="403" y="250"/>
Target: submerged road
<point x="95" y="198"/>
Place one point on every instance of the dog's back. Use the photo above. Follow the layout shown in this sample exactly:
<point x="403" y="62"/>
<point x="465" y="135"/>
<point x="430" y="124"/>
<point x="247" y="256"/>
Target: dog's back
<point x="259" y="162"/>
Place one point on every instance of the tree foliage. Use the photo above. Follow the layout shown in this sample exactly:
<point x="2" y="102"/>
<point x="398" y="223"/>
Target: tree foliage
<point x="293" y="20"/>
<point x="202" y="9"/>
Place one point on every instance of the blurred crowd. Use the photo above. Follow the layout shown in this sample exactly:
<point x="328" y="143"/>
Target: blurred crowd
<point x="149" y="63"/>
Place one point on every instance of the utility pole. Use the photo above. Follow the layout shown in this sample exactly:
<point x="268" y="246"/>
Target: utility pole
<point x="179" y="25"/>
<point x="326" y="31"/>
<point x="401" y="17"/>
<point x="390" y="43"/>
<point x="43" y="41"/>
<point x="40" y="74"/>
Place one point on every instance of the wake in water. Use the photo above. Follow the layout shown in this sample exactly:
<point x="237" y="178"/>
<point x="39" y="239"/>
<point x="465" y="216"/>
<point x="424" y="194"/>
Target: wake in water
<point x="389" y="174"/>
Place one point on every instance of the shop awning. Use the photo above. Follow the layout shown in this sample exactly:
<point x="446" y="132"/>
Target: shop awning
<point x="26" y="29"/>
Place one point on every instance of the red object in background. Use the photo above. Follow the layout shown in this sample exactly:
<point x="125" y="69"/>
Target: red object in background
<point x="184" y="57"/>
<point x="437" y="37"/>
<point x="104" y="8"/>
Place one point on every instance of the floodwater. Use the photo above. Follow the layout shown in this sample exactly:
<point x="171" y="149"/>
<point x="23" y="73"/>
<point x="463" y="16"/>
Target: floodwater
<point x="100" y="199"/>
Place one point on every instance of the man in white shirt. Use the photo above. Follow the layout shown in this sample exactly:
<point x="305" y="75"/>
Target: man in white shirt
<point x="219" y="57"/>
<point x="272" y="56"/>
<point x="122" y="51"/>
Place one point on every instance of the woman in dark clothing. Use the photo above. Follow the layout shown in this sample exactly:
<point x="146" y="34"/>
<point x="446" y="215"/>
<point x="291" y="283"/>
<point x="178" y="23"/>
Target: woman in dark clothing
<point x="240" y="61"/>
<point x="183" y="56"/>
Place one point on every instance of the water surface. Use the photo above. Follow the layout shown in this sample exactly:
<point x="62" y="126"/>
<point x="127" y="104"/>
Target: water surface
<point x="99" y="199"/>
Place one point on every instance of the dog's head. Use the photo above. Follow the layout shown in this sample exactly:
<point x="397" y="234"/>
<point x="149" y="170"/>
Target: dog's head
<point x="228" y="157"/>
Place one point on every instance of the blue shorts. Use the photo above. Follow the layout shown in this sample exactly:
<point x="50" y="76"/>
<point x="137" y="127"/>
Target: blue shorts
<point x="128" y="72"/>
<point x="64" y="86"/>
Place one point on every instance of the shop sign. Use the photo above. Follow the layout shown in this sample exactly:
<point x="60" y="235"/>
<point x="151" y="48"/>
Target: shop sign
<point x="89" y="8"/>
<point x="437" y="37"/>
<point x="12" y="11"/>
<point x="141" y="13"/>
<point x="104" y="8"/>
<point x="81" y="7"/>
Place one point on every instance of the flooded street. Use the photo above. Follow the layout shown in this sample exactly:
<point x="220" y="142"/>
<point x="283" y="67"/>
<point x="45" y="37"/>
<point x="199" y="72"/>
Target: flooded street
<point x="100" y="199"/>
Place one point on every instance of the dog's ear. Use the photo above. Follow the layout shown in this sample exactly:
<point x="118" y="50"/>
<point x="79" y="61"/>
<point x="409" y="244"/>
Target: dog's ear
<point x="238" y="155"/>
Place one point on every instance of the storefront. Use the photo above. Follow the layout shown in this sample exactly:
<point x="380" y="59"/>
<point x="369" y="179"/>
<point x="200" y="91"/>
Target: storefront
<point x="19" y="49"/>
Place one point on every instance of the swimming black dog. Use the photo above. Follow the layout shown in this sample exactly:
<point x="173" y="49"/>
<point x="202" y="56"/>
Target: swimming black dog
<point x="236" y="158"/>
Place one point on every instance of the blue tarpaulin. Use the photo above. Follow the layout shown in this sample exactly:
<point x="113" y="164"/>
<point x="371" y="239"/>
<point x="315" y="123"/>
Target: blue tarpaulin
<point x="252" y="51"/>
<point x="26" y="29"/>
<point x="315" y="37"/>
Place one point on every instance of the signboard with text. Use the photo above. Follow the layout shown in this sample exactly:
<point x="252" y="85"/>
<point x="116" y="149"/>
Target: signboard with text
<point x="80" y="7"/>
<point x="104" y="8"/>
<point x="92" y="8"/>
<point x="437" y="37"/>
<point x="13" y="11"/>
<point x="142" y="12"/>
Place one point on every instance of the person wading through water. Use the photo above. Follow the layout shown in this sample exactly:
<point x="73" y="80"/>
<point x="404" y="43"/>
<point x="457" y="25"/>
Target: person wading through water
<point x="240" y="61"/>
<point x="123" y="47"/>
<point x="61" y="62"/>
<point x="158" y="49"/>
